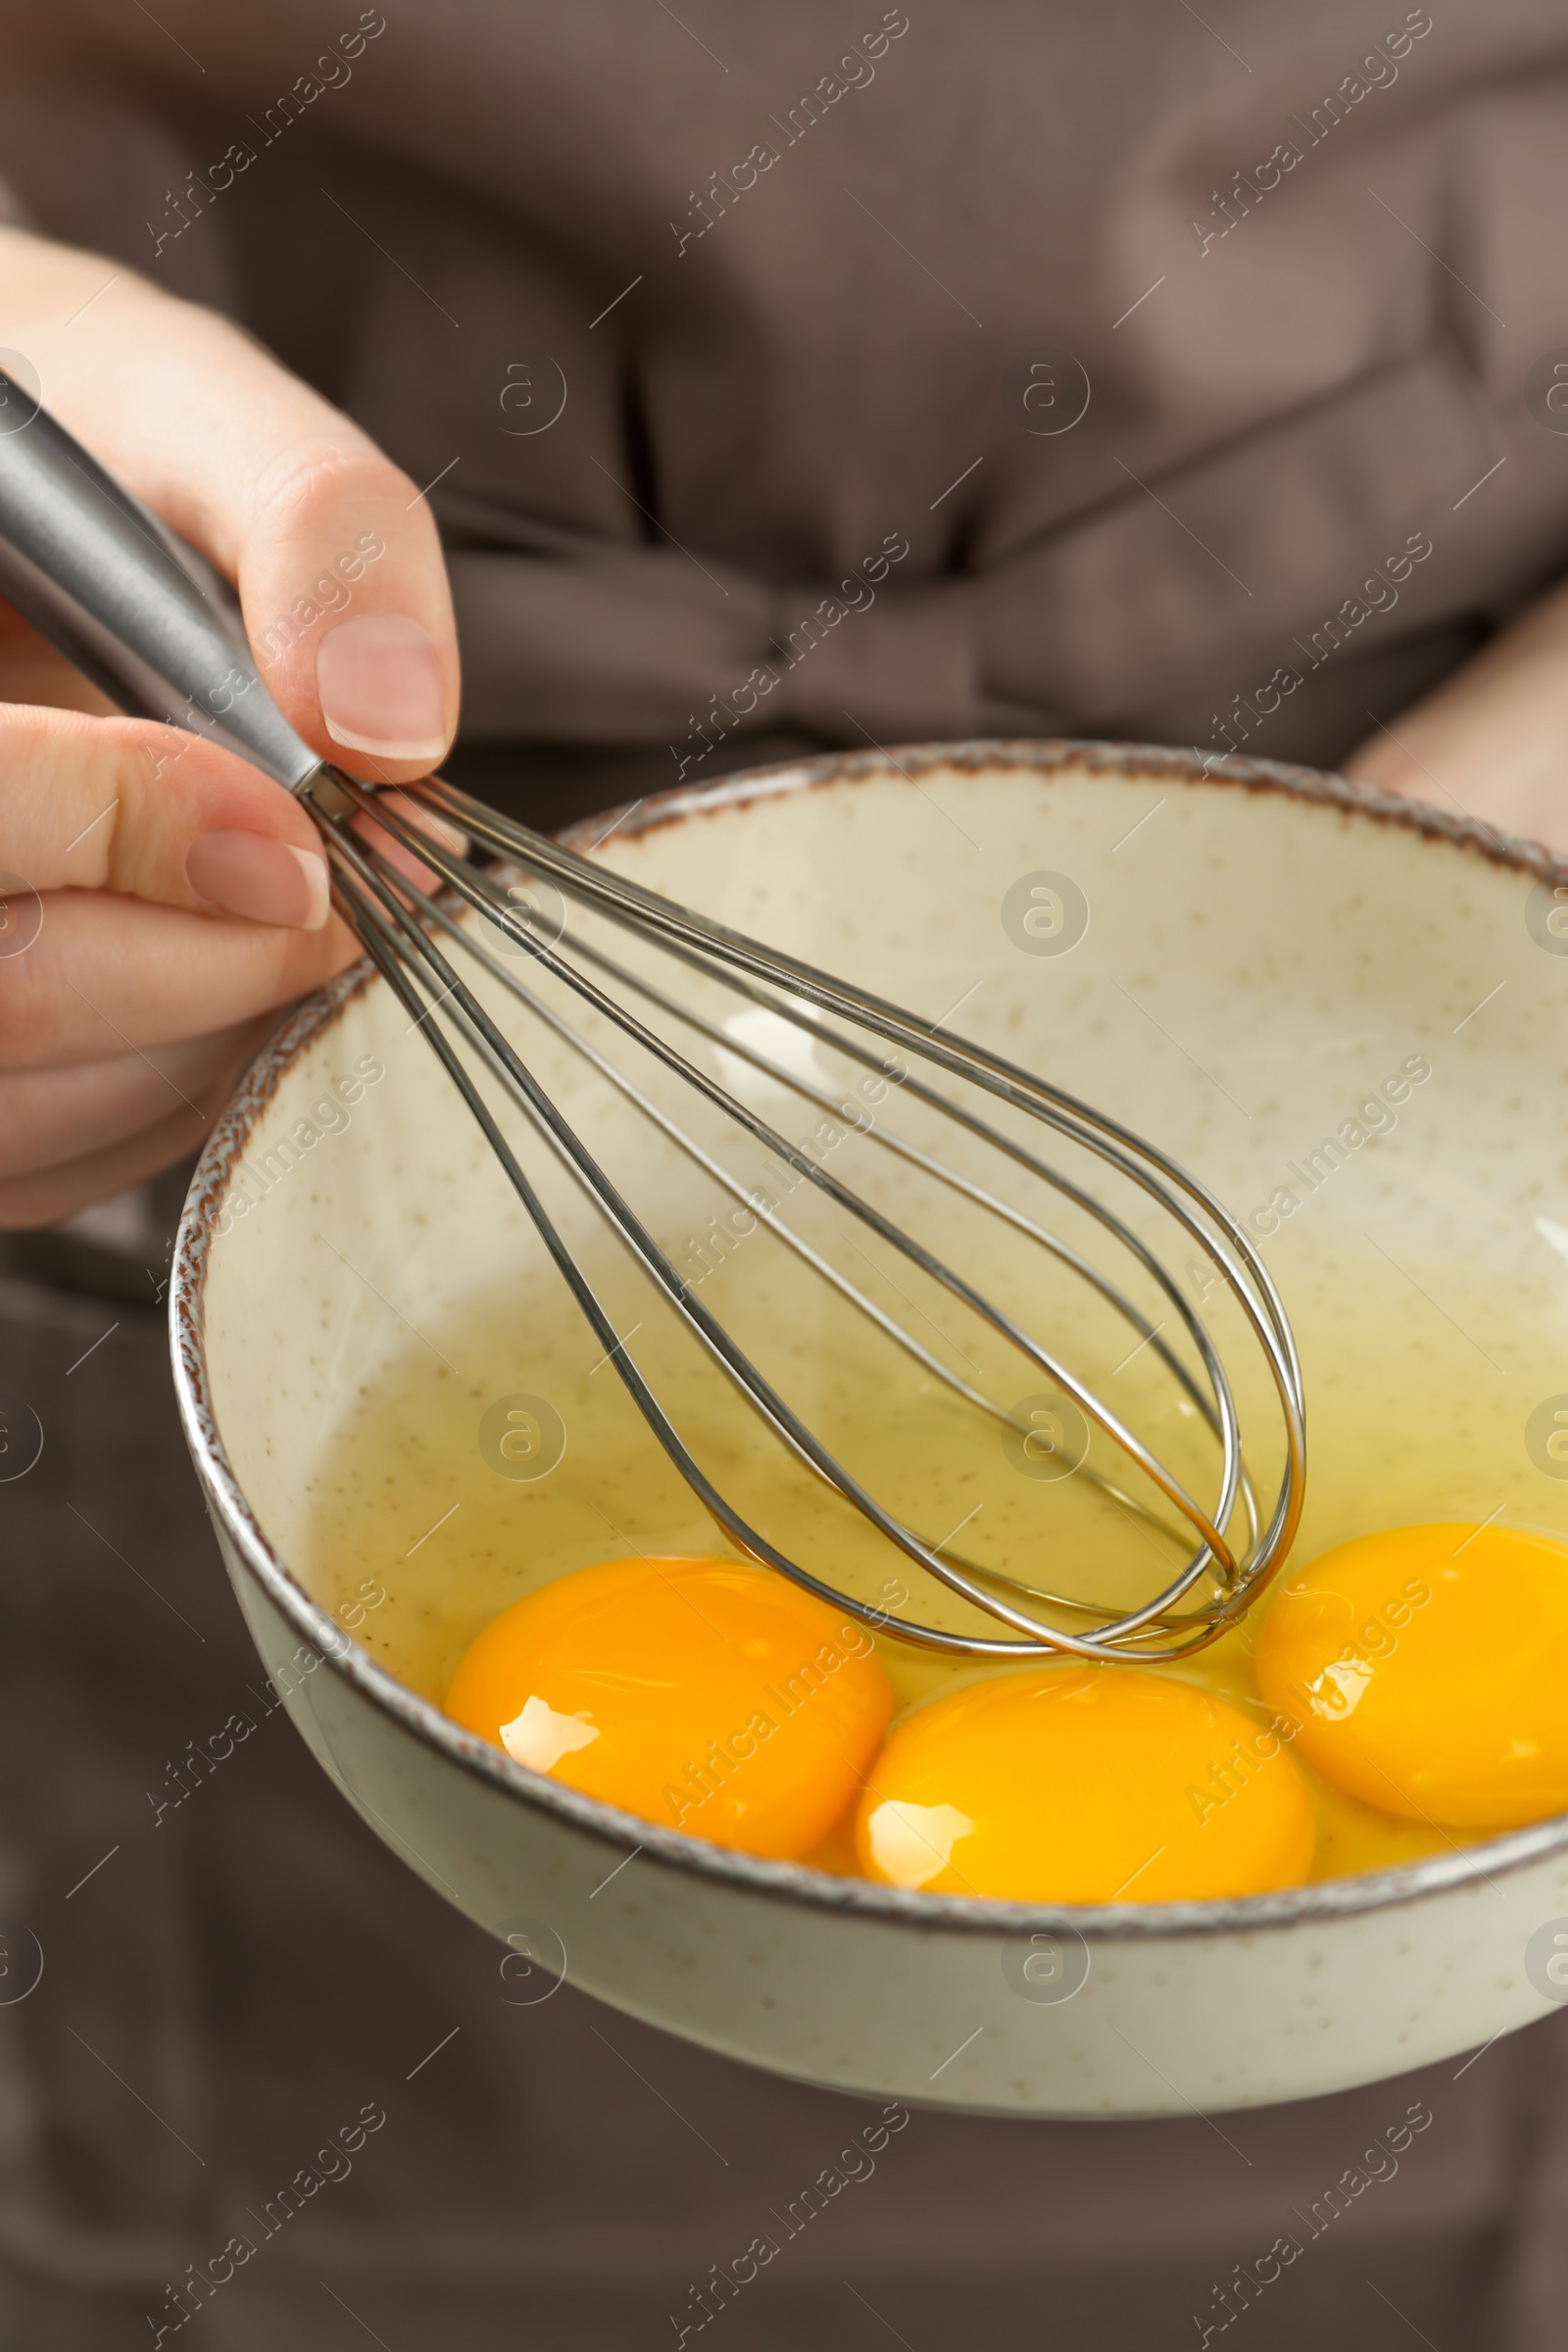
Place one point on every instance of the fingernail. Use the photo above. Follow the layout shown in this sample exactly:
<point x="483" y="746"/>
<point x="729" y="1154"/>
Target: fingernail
<point x="379" y="685"/>
<point x="268" y="881"/>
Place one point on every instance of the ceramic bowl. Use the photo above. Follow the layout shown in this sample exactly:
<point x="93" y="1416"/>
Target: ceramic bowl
<point x="1262" y="947"/>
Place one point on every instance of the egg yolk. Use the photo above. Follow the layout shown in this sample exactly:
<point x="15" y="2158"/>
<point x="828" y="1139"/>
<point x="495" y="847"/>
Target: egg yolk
<point x="1084" y="1785"/>
<point x="1426" y="1668"/>
<point x="700" y="1693"/>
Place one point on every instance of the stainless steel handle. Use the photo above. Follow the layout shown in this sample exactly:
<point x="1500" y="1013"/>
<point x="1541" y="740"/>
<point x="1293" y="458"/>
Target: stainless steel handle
<point x="124" y="600"/>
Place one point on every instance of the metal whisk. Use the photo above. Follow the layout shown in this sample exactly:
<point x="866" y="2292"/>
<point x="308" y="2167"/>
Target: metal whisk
<point x="101" y="577"/>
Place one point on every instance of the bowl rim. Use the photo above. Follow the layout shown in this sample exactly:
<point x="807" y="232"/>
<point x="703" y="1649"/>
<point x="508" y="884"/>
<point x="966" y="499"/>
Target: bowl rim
<point x="1314" y="1905"/>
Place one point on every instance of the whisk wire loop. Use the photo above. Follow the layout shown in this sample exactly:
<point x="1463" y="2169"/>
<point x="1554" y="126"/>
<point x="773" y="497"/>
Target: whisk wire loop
<point x="399" y="950"/>
<point x="434" y="915"/>
<point x="397" y="922"/>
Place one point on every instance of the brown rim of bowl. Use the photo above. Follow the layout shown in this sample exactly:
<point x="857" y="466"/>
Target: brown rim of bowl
<point x="1316" y="1903"/>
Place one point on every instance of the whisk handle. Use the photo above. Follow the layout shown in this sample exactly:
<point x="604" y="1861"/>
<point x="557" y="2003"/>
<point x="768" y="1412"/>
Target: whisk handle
<point x="124" y="600"/>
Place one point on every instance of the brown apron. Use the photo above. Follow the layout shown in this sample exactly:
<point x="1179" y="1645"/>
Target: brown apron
<point x="790" y="379"/>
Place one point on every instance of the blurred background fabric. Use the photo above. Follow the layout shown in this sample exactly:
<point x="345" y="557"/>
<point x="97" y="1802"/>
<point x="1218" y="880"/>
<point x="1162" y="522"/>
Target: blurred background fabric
<point x="671" y="427"/>
<point x="683" y="322"/>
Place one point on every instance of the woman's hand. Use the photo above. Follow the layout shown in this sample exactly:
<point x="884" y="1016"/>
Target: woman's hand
<point x="162" y="900"/>
<point x="1493" y="740"/>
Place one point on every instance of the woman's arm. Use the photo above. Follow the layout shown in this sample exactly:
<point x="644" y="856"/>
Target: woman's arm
<point x="1493" y="740"/>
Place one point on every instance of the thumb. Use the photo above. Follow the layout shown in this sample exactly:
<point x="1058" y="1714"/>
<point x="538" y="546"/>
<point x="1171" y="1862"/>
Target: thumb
<point x="345" y="597"/>
<point x="332" y="547"/>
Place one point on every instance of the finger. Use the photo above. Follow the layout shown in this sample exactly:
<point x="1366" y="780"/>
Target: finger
<point x="32" y="671"/>
<point x="51" y="1117"/>
<point x="123" y="804"/>
<point x="333" y="549"/>
<point x="105" y="975"/>
<point x="59" y="1191"/>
